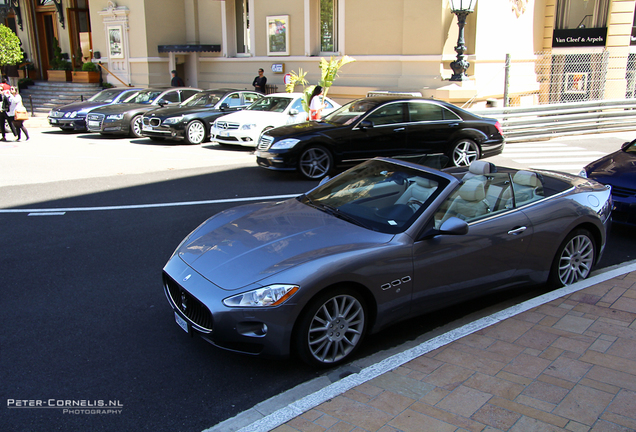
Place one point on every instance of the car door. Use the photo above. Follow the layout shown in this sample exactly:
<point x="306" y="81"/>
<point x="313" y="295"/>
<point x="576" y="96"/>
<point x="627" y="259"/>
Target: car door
<point x="430" y="127"/>
<point x="453" y="268"/>
<point x="382" y="132"/>
<point x="233" y="101"/>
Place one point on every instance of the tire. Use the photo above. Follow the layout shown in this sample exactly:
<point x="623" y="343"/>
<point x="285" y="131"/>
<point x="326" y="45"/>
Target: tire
<point x="464" y="152"/>
<point x="574" y="259"/>
<point x="331" y="328"/>
<point x="315" y="162"/>
<point x="195" y="132"/>
<point x="136" y="126"/>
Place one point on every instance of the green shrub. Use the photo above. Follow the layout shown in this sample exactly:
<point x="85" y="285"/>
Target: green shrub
<point x="89" y="67"/>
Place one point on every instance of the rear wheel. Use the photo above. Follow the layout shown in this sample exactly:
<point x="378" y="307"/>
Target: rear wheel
<point x="332" y="328"/>
<point x="195" y="132"/>
<point x="136" y="125"/>
<point x="464" y="152"/>
<point x="574" y="259"/>
<point x="315" y="162"/>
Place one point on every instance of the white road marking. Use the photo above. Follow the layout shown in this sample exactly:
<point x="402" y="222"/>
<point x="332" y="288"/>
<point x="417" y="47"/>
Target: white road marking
<point x="42" y="212"/>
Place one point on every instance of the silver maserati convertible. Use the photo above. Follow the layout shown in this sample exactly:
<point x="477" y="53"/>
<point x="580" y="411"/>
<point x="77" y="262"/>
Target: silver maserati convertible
<point x="379" y="243"/>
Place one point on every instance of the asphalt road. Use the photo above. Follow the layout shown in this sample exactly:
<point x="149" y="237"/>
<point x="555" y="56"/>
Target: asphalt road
<point x="87" y="223"/>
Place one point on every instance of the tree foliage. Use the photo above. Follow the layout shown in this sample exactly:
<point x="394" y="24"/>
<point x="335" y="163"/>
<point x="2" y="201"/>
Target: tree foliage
<point x="10" y="52"/>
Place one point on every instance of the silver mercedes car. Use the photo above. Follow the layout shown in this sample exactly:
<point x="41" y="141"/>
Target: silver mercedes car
<point x="384" y="241"/>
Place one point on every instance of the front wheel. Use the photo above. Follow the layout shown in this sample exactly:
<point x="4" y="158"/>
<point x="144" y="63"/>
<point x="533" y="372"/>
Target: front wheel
<point x="332" y="328"/>
<point x="315" y="162"/>
<point x="574" y="259"/>
<point x="464" y="152"/>
<point x="136" y="124"/>
<point x="195" y="132"/>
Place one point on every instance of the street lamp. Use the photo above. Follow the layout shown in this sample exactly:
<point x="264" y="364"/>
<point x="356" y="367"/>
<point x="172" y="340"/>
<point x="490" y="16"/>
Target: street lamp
<point x="461" y="8"/>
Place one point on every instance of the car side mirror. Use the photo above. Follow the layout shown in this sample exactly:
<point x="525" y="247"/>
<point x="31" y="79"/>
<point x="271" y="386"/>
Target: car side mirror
<point x="365" y="124"/>
<point x="626" y="145"/>
<point x="451" y="226"/>
<point x="224" y="106"/>
<point x="293" y="112"/>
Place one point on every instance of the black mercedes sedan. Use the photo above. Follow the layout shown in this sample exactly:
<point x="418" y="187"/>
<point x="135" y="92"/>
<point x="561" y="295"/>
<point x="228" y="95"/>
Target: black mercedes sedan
<point x="191" y="120"/>
<point x="618" y="170"/>
<point x="125" y="119"/>
<point x="73" y="116"/>
<point x="388" y="126"/>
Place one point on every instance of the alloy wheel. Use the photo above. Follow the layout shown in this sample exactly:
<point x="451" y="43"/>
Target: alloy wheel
<point x="315" y="163"/>
<point x="465" y="152"/>
<point x="196" y="132"/>
<point x="576" y="260"/>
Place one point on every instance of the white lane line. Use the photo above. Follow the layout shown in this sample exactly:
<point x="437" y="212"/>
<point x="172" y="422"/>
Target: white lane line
<point x="560" y="160"/>
<point x="145" y="206"/>
<point x="552" y="155"/>
<point x="524" y="145"/>
<point x="303" y="405"/>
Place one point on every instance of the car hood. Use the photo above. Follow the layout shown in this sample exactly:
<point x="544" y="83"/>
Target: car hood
<point x="121" y="108"/>
<point x="310" y="127"/>
<point x="81" y="106"/>
<point x="260" y="117"/>
<point x="177" y="111"/>
<point x="246" y="244"/>
<point x="617" y="169"/>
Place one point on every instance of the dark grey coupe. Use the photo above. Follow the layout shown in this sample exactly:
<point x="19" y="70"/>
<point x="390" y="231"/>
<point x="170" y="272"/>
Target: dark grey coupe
<point x="382" y="242"/>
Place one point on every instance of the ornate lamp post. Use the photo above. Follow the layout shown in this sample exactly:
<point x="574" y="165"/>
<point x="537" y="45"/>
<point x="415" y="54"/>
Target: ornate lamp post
<point x="461" y="8"/>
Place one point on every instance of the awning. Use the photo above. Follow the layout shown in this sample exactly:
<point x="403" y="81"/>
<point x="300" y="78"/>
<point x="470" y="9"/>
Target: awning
<point x="189" y="48"/>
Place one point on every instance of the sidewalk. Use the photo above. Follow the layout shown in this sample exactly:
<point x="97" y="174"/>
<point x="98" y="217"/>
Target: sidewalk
<point x="566" y="364"/>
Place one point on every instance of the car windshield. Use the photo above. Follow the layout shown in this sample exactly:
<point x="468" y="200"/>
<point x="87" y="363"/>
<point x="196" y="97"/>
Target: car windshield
<point x="105" y="96"/>
<point x="631" y="148"/>
<point x="378" y="195"/>
<point x="144" y="97"/>
<point x="348" y="113"/>
<point x="203" y="99"/>
<point x="271" y="103"/>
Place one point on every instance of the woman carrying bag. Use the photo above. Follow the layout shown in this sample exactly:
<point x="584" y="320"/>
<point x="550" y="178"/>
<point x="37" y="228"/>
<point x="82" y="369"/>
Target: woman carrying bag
<point x="18" y="114"/>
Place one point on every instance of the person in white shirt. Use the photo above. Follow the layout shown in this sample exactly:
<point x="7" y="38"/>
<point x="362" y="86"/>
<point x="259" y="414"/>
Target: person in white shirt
<point x="316" y="104"/>
<point x="16" y="101"/>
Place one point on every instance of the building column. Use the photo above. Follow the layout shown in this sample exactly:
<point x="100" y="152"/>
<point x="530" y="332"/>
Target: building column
<point x="619" y="30"/>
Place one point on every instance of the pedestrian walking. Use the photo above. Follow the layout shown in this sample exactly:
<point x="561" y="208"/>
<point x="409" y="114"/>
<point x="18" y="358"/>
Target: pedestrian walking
<point x="18" y="114"/>
<point x="316" y="104"/>
<point x="176" y="80"/>
<point x="260" y="82"/>
<point x="5" y="105"/>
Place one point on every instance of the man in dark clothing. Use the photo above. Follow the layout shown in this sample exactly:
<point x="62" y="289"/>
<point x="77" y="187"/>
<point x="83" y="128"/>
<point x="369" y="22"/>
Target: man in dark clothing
<point x="4" y="115"/>
<point x="260" y="81"/>
<point x="176" y="81"/>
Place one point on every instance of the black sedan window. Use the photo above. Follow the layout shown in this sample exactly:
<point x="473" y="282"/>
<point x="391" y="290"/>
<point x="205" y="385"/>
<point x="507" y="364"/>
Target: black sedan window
<point x="388" y="114"/>
<point x="425" y="112"/>
<point x="378" y="195"/>
<point x="348" y="113"/>
<point x="202" y="99"/>
<point x="144" y="97"/>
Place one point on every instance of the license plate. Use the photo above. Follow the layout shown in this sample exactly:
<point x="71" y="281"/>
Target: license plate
<point x="93" y="123"/>
<point x="224" y="134"/>
<point x="148" y="128"/>
<point x="53" y="121"/>
<point x="182" y="323"/>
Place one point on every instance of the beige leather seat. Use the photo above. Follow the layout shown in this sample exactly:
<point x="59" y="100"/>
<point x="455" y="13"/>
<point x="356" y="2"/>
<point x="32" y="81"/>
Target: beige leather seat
<point x="417" y="193"/>
<point x="527" y="187"/>
<point x="471" y="201"/>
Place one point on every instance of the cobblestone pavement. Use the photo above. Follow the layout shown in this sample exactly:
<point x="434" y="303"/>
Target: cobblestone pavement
<point x="567" y="365"/>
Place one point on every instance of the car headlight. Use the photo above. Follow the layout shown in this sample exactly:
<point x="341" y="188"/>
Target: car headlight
<point x="583" y="173"/>
<point x="74" y="114"/>
<point x="285" y="144"/>
<point x="115" y="117"/>
<point x="248" y="126"/>
<point x="172" y="120"/>
<point x="272" y="295"/>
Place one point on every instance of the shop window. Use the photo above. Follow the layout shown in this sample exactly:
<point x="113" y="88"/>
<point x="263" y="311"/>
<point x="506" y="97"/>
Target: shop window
<point x="328" y="25"/>
<point x="242" y="26"/>
<point x="572" y="14"/>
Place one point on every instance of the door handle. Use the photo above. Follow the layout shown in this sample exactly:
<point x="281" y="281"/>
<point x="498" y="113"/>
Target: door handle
<point x="517" y="230"/>
<point x="399" y="129"/>
<point x="453" y="124"/>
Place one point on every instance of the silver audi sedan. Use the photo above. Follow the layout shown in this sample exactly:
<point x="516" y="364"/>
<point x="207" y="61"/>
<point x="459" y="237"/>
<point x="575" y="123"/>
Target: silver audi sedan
<point x="384" y="241"/>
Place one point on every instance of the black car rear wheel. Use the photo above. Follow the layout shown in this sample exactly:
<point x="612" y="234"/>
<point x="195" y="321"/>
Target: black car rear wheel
<point x="136" y="124"/>
<point x="195" y="132"/>
<point x="315" y="162"/>
<point x="574" y="259"/>
<point x="463" y="152"/>
<point x="332" y="328"/>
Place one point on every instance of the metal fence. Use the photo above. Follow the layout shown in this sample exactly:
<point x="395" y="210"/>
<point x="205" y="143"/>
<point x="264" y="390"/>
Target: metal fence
<point x="551" y="77"/>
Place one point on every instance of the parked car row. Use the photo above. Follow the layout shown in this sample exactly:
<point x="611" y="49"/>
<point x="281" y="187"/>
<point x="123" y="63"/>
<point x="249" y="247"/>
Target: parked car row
<point x="278" y="127"/>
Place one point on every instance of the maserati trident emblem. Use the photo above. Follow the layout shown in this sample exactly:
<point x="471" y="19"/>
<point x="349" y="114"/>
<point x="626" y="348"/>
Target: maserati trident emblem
<point x="184" y="301"/>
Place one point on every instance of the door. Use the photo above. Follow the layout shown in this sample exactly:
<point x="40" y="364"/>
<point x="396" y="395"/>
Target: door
<point x="47" y="33"/>
<point x="80" y="33"/>
<point x="430" y="126"/>
<point x="385" y="134"/>
<point x="453" y="268"/>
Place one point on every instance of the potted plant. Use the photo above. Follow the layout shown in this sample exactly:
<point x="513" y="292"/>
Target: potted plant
<point x="59" y="68"/>
<point x="88" y="74"/>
